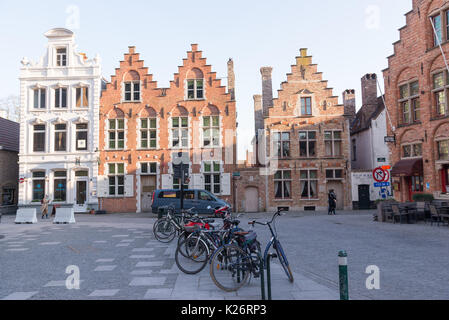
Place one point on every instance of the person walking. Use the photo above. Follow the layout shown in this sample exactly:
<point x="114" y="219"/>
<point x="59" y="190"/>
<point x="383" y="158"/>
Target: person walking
<point x="332" y="202"/>
<point x="44" y="207"/>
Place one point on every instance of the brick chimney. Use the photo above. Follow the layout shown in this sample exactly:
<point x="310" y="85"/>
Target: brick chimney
<point x="267" y="89"/>
<point x="231" y="79"/>
<point x="369" y="89"/>
<point x="258" y="113"/>
<point x="349" y="102"/>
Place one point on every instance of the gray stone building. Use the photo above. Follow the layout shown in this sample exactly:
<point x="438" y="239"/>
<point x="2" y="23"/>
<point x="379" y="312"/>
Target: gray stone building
<point x="9" y="166"/>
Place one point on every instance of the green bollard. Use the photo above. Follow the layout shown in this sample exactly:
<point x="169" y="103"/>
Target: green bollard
<point x="343" y="275"/>
<point x="262" y="278"/>
<point x="270" y="256"/>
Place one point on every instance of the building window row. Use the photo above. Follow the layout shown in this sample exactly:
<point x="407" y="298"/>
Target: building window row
<point x="409" y="102"/>
<point x="412" y="150"/>
<point x="61" y="98"/>
<point x="60" y="137"/>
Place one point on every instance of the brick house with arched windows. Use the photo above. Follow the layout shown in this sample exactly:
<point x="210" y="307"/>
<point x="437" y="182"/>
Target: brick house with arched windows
<point x="143" y="128"/>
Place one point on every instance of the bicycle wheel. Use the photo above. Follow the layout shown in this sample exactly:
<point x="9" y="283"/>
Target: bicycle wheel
<point x="164" y="231"/>
<point x="284" y="262"/>
<point x="191" y="255"/>
<point x="230" y="268"/>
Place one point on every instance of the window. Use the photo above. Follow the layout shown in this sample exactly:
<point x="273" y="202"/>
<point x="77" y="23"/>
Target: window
<point x="82" y="97"/>
<point x="417" y="184"/>
<point x="212" y="177"/>
<point x="282" y="144"/>
<point x="81" y="136"/>
<point x="61" y="57"/>
<point x="309" y="184"/>
<point x="438" y="34"/>
<point x="60" y="137"/>
<point x="440" y="88"/>
<point x="409" y="102"/>
<point x="202" y="195"/>
<point x="148" y="168"/>
<point x="332" y="142"/>
<point x="307" y="144"/>
<point x="8" y="196"/>
<point x="38" y="186"/>
<point x="195" y="89"/>
<point x="116" y="179"/>
<point x="117" y="134"/>
<point x="177" y="184"/>
<point x="443" y="150"/>
<point x="39" y="138"/>
<point x="40" y="97"/>
<point x="60" y="186"/>
<point x="334" y="174"/>
<point x="132" y="91"/>
<point x="211" y="131"/>
<point x="180" y="132"/>
<point x="306" y="106"/>
<point x="148" y="133"/>
<point x="283" y="184"/>
<point x="61" y="98"/>
<point x="412" y="150"/>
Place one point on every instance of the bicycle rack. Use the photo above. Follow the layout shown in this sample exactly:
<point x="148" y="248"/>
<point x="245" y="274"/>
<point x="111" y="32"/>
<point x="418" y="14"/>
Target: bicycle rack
<point x="263" y="266"/>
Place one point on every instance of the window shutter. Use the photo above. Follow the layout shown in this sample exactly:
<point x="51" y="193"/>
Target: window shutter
<point x="167" y="181"/>
<point x="129" y="186"/>
<point x="102" y="187"/>
<point x="197" y="182"/>
<point x="226" y="184"/>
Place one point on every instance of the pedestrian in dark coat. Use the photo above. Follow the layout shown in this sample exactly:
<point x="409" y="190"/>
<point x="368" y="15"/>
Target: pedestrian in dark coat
<point x="332" y="202"/>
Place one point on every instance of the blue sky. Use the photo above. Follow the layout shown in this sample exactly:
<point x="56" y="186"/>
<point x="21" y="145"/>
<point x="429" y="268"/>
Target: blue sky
<point x="346" y="38"/>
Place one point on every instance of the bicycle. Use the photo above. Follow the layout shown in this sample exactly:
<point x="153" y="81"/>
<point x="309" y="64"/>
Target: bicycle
<point x="166" y="228"/>
<point x="232" y="264"/>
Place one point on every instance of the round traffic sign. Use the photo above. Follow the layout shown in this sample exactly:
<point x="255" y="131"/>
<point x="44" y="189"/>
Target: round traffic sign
<point x="380" y="174"/>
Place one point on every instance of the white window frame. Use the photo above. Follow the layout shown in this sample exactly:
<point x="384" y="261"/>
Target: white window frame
<point x="283" y="180"/>
<point x="45" y="136"/>
<point x="410" y="99"/>
<point x="412" y="150"/>
<point x="66" y="131"/>
<point x="309" y="180"/>
<point x="82" y="102"/>
<point x="148" y="131"/>
<point x="60" y="100"/>
<point x="116" y="131"/>
<point x="133" y="91"/>
<point x="116" y="176"/>
<point x="213" y="174"/>
<point x="308" y="141"/>
<point x="179" y="129"/>
<point x="76" y="136"/>
<point x="213" y="143"/>
<point x="333" y="140"/>
<point x="195" y="89"/>
<point x="60" y="56"/>
<point x="39" y="98"/>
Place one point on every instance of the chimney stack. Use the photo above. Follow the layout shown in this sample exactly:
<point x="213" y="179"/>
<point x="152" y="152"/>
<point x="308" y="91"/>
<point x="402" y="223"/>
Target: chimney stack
<point x="349" y="102"/>
<point x="258" y="113"/>
<point x="231" y="79"/>
<point x="369" y="90"/>
<point x="267" y="89"/>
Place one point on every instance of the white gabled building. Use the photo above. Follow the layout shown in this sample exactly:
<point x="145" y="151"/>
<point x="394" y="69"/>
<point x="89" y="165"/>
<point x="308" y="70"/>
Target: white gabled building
<point x="59" y="118"/>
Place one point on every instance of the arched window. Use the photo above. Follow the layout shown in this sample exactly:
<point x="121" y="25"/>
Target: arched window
<point x="195" y="84"/>
<point x="116" y="130"/>
<point x="131" y="87"/>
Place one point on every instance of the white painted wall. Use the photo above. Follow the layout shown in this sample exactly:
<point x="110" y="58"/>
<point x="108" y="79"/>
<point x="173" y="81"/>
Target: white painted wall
<point x="46" y="74"/>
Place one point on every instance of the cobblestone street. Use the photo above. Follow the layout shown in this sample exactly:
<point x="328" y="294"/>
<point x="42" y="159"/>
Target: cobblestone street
<point x="119" y="258"/>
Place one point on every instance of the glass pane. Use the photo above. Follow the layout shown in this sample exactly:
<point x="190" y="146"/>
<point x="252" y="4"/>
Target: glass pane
<point x="403" y="91"/>
<point x="153" y="167"/>
<point x="153" y="144"/>
<point x="144" y="123"/>
<point x="112" y="168"/>
<point x="338" y="174"/>
<point x="153" y="123"/>
<point x="438" y="31"/>
<point x="185" y="122"/>
<point x="407" y="151"/>
<point x="78" y="97"/>
<point x="144" y="144"/>
<point x="304" y="175"/>
<point x="120" y="144"/>
<point x="287" y="174"/>
<point x="329" y="174"/>
<point x="313" y="174"/>
<point x="190" y="84"/>
<point x="39" y="174"/>
<point x="312" y="135"/>
<point x="207" y="167"/>
<point x="127" y="87"/>
<point x="216" y="167"/>
<point x="285" y="136"/>
<point x="175" y="123"/>
<point x="60" y="174"/>
<point x="303" y="135"/>
<point x="206" y="121"/>
<point x="414" y="88"/>
<point x="36" y="99"/>
<point x="120" y="168"/>
<point x="43" y="99"/>
<point x="121" y="124"/>
<point x="312" y="149"/>
<point x="112" y="124"/>
<point x="216" y="121"/>
<point x="328" y="135"/>
<point x="303" y="149"/>
<point x="120" y="180"/>
<point x="417" y="150"/>
<point x="438" y="80"/>
<point x="278" y="175"/>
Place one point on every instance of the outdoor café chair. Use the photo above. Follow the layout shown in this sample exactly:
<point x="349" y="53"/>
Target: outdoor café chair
<point x="434" y="215"/>
<point x="397" y="213"/>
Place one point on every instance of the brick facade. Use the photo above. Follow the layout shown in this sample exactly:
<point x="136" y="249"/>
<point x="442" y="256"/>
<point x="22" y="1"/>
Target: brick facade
<point x="209" y="98"/>
<point x="305" y="103"/>
<point x="416" y="63"/>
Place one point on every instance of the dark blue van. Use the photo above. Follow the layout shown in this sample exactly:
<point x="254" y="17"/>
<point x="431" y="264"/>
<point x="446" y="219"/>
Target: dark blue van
<point x="198" y="199"/>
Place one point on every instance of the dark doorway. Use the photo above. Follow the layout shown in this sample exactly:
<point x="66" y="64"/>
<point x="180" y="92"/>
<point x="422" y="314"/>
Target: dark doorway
<point x="364" y="197"/>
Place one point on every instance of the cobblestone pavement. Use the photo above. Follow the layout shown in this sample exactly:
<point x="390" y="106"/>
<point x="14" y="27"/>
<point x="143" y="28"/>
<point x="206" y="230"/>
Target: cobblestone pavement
<point x="118" y="258"/>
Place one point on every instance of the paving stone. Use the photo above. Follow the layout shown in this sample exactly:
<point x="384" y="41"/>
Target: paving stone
<point x="158" y="293"/>
<point x="150" y="264"/>
<point x="104" y="293"/>
<point x="104" y="260"/>
<point x="148" y="281"/>
<point x="20" y="295"/>
<point x="105" y="268"/>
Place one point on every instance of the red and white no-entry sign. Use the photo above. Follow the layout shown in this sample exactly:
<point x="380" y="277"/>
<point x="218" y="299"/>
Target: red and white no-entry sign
<point x="381" y="175"/>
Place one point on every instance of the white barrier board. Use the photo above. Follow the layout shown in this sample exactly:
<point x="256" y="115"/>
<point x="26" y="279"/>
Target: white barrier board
<point x="26" y="215"/>
<point x="64" y="215"/>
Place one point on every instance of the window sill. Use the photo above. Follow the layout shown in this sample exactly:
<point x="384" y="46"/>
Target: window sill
<point x="440" y="118"/>
<point x="309" y="199"/>
<point x="132" y="101"/>
<point x="202" y="99"/>
<point x="148" y="149"/>
<point x="281" y="200"/>
<point x="405" y="125"/>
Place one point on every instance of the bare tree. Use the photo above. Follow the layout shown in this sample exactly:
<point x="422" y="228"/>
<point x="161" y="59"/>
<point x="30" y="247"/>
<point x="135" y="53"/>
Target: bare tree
<point x="10" y="108"/>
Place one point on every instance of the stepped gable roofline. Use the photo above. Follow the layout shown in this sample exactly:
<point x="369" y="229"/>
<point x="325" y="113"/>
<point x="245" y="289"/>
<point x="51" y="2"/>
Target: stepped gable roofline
<point x="59" y="33"/>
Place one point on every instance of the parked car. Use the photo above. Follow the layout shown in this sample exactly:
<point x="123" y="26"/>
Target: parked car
<point x="203" y="201"/>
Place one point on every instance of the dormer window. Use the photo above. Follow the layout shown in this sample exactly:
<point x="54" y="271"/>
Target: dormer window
<point x="61" y="98"/>
<point x="61" y="57"/>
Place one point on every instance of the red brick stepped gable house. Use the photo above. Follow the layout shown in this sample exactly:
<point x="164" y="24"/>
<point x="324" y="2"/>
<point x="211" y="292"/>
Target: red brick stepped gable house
<point x="416" y="91"/>
<point x="143" y="129"/>
<point x="307" y="138"/>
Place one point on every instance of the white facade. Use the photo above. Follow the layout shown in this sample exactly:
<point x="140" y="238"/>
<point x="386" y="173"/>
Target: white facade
<point x="369" y="151"/>
<point x="59" y="121"/>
